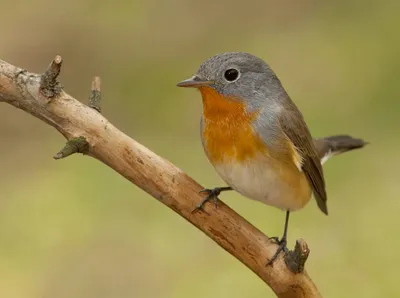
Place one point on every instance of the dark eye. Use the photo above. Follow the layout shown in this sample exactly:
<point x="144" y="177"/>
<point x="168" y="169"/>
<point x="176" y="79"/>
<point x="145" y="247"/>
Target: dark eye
<point x="231" y="74"/>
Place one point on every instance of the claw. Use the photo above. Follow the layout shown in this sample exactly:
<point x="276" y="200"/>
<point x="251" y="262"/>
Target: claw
<point x="281" y="243"/>
<point x="274" y="239"/>
<point x="282" y="247"/>
<point x="211" y="194"/>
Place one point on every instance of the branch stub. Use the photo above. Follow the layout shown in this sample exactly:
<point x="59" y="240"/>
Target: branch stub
<point x="50" y="87"/>
<point x="75" y="145"/>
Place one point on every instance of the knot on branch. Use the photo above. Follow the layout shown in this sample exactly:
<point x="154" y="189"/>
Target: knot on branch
<point x="95" y="95"/>
<point x="296" y="259"/>
<point x="75" y="145"/>
<point x="50" y="87"/>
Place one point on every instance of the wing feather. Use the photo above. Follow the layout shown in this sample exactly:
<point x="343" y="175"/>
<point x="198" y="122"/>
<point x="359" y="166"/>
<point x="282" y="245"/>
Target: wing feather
<point x="293" y="125"/>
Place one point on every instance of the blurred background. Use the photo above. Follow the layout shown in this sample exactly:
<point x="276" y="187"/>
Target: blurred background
<point x="74" y="228"/>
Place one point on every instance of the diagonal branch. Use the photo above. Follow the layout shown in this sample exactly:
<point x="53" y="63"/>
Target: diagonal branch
<point x="87" y="131"/>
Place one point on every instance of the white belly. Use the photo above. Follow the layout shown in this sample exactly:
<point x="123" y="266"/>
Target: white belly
<point x="258" y="181"/>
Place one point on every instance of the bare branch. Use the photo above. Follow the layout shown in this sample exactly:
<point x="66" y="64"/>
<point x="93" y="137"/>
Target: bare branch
<point x="296" y="259"/>
<point x="150" y="172"/>
<point x="75" y="145"/>
<point x="49" y="85"/>
<point x="95" y="95"/>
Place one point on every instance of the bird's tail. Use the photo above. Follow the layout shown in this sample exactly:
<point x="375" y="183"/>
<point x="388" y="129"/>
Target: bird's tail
<point x="334" y="145"/>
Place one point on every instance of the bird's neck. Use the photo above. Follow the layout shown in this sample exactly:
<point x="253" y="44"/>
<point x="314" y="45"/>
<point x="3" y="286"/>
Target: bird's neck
<point x="218" y="108"/>
<point x="227" y="129"/>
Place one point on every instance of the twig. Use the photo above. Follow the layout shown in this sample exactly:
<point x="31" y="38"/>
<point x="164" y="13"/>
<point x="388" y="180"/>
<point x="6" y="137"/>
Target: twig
<point x="49" y="85"/>
<point x="296" y="259"/>
<point x="150" y="172"/>
<point x="75" y="145"/>
<point x="95" y="95"/>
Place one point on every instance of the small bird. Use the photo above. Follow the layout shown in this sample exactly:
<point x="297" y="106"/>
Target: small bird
<point x="256" y="138"/>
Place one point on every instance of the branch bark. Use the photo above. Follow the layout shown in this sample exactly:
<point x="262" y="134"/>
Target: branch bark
<point x="88" y="132"/>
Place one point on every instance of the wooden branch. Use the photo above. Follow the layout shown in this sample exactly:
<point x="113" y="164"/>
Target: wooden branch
<point x="95" y="95"/>
<point x="297" y="258"/>
<point x="74" y="145"/>
<point x="88" y="132"/>
<point x="49" y="85"/>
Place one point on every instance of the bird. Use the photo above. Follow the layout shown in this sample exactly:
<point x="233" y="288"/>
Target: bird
<point x="257" y="139"/>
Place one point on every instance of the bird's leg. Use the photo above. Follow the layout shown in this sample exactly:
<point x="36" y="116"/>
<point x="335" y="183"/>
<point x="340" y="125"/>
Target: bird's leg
<point x="281" y="242"/>
<point x="212" y="193"/>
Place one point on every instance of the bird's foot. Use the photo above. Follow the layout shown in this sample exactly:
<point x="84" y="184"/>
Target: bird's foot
<point x="212" y="193"/>
<point x="282" y="247"/>
<point x="274" y="239"/>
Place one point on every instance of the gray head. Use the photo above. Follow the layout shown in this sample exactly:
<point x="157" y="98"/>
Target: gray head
<point x="239" y="75"/>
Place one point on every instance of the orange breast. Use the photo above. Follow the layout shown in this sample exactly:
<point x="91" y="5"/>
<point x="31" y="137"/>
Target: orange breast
<point x="227" y="131"/>
<point x="229" y="139"/>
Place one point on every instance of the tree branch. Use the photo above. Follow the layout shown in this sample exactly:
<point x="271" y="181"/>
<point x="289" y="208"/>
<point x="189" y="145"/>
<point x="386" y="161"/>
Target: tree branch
<point x="49" y="85"/>
<point x="87" y="131"/>
<point x="297" y="258"/>
<point x="74" y="145"/>
<point x="95" y="95"/>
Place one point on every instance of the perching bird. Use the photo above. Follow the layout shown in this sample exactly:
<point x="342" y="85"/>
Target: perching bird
<point x="257" y="139"/>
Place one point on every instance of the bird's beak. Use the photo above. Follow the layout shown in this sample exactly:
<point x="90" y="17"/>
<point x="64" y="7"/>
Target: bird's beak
<point x="194" y="82"/>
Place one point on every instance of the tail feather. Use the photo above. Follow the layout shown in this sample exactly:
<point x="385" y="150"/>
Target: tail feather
<point x="334" y="145"/>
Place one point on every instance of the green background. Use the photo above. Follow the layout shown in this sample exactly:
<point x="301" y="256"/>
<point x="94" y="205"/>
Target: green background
<point x="74" y="228"/>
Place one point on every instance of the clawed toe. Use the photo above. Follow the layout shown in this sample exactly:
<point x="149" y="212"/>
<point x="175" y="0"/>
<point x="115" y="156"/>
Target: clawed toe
<point x="281" y="247"/>
<point x="211" y="194"/>
<point x="275" y="239"/>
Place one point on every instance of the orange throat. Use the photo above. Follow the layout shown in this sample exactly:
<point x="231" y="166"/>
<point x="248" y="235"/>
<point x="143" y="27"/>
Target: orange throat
<point x="228" y="135"/>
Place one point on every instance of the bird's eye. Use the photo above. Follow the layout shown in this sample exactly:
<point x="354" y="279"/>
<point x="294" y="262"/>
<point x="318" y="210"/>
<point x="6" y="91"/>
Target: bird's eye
<point x="231" y="74"/>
